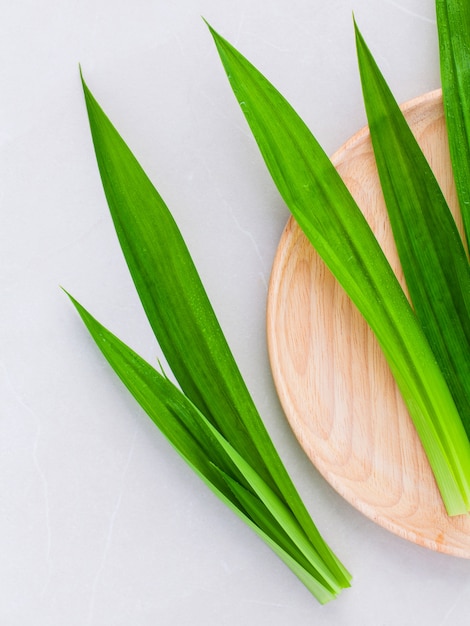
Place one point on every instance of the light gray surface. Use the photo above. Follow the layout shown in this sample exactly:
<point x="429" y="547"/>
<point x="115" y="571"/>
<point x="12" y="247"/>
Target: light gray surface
<point x="101" y="524"/>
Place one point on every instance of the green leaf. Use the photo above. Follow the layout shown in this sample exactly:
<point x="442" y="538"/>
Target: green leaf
<point x="431" y="252"/>
<point x="217" y="427"/>
<point x="163" y="402"/>
<point x="212" y="457"/>
<point x="453" y="22"/>
<point x="174" y="298"/>
<point x="281" y="543"/>
<point x="329" y="216"/>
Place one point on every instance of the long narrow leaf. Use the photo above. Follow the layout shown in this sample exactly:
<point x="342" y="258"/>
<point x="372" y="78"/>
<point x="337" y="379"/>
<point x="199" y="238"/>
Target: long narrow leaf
<point x="213" y="421"/>
<point x="431" y="251"/>
<point x="215" y="461"/>
<point x="325" y="210"/>
<point x="453" y="22"/>
<point x="182" y="317"/>
<point x="164" y="403"/>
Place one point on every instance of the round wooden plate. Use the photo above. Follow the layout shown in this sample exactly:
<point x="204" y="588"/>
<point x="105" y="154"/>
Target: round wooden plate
<point x="333" y="382"/>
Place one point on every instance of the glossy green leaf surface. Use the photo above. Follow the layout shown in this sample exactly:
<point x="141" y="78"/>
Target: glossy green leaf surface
<point x="213" y="458"/>
<point x="453" y="22"/>
<point x="174" y="298"/>
<point x="330" y="218"/>
<point x="431" y="251"/>
<point x="212" y="420"/>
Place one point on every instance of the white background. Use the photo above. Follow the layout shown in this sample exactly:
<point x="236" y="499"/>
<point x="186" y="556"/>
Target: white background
<point x="101" y="524"/>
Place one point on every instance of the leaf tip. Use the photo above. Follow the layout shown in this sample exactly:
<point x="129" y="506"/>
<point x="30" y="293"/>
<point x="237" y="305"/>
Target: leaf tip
<point x="219" y="40"/>
<point x="207" y="24"/>
<point x="69" y="295"/>
<point x="82" y="79"/>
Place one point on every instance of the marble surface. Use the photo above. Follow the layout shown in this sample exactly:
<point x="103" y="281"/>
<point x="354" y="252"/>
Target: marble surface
<point x="101" y="524"/>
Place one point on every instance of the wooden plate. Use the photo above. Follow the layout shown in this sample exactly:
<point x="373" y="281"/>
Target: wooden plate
<point x="332" y="380"/>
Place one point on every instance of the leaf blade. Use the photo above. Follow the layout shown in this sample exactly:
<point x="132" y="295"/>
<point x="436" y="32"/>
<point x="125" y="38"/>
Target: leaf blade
<point x="173" y="296"/>
<point x="328" y="215"/>
<point x="183" y="320"/>
<point x="428" y="242"/>
<point x="453" y="22"/>
<point x="212" y="457"/>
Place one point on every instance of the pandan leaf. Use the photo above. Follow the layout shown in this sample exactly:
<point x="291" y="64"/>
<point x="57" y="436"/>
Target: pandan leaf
<point x="212" y="420"/>
<point x="330" y="218"/>
<point x="453" y="22"/>
<point x="431" y="251"/>
<point x="213" y="458"/>
<point x="174" y="298"/>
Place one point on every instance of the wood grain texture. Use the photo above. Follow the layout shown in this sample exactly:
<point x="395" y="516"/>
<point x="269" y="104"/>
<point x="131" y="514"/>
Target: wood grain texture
<point x="332" y="379"/>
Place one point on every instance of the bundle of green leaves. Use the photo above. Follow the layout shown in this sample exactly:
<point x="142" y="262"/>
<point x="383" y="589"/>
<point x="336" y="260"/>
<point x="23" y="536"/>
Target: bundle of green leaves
<point x="210" y="418"/>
